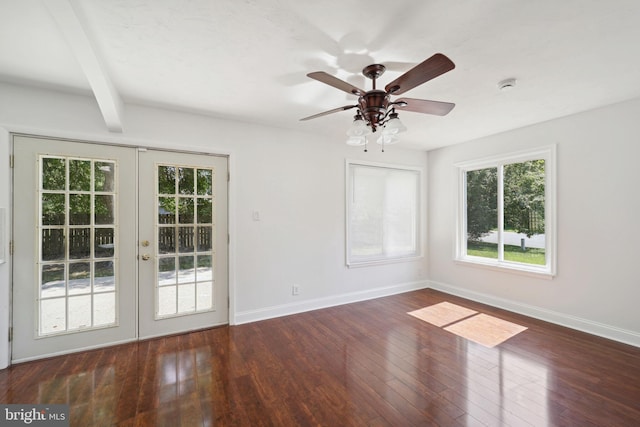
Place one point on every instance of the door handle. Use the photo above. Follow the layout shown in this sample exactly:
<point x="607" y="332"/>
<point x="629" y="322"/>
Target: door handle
<point x="146" y="257"/>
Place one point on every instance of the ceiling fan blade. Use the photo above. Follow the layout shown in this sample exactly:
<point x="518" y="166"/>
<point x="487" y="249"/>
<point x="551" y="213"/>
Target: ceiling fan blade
<point x="424" y="106"/>
<point x="431" y="68"/>
<point x="324" y="113"/>
<point x="323" y="77"/>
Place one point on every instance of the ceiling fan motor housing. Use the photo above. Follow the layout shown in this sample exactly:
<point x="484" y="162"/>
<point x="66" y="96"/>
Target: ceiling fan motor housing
<point x="373" y="106"/>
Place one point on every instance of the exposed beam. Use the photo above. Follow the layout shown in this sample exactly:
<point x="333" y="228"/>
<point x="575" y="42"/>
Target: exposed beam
<point x="75" y="30"/>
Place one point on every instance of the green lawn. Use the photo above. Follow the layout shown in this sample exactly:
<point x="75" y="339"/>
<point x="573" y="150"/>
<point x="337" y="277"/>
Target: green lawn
<point x="511" y="253"/>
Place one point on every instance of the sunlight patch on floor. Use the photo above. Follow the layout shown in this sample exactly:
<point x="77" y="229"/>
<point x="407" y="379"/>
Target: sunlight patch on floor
<point x="481" y="328"/>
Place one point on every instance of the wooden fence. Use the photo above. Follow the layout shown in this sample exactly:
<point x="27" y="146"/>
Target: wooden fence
<point x="79" y="242"/>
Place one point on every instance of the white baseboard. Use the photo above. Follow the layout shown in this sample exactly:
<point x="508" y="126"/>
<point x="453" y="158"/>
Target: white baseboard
<point x="317" y="303"/>
<point x="584" y="325"/>
<point x="77" y="350"/>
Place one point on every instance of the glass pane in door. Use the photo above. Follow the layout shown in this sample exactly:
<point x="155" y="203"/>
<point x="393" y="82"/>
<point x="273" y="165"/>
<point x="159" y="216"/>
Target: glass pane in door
<point x="77" y="279"/>
<point x="184" y="200"/>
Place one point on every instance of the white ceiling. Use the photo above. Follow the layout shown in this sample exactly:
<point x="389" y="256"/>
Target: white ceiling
<point x="248" y="59"/>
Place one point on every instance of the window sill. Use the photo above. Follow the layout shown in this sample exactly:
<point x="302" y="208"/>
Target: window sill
<point x="507" y="267"/>
<point x="357" y="264"/>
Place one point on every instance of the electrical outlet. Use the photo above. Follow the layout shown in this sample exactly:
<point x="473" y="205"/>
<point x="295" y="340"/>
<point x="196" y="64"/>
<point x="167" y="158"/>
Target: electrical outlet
<point x="295" y="290"/>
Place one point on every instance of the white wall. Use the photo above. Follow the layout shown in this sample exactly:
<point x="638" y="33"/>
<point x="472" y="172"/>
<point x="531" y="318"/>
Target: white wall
<point x="597" y="287"/>
<point x="295" y="180"/>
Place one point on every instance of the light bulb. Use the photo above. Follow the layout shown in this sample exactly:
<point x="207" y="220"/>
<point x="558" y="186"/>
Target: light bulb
<point x="387" y="139"/>
<point x="394" y="125"/>
<point x="357" y="141"/>
<point x="358" y="127"/>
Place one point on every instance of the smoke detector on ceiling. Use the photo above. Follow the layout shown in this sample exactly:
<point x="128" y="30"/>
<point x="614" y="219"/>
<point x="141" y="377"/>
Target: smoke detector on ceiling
<point x="507" y="84"/>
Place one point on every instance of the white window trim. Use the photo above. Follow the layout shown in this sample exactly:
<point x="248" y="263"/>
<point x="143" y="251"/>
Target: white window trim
<point x="548" y="271"/>
<point x="420" y="222"/>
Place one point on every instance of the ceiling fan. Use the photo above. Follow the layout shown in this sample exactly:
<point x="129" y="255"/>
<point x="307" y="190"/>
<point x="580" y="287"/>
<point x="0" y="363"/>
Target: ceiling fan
<point x="375" y="108"/>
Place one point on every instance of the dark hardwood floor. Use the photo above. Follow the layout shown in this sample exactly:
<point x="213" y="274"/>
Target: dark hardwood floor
<point x="363" y="364"/>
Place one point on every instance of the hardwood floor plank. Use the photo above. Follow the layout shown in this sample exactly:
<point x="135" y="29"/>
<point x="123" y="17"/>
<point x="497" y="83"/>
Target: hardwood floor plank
<point x="362" y="364"/>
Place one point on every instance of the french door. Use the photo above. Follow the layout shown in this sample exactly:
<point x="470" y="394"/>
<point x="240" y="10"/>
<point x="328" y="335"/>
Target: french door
<point x="183" y="242"/>
<point x="112" y="244"/>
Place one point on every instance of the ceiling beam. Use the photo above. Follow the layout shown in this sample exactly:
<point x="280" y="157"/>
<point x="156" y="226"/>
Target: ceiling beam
<point x="75" y="30"/>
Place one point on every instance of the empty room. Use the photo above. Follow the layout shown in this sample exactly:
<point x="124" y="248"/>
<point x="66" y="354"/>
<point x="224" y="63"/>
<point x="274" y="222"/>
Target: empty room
<point x="296" y="213"/>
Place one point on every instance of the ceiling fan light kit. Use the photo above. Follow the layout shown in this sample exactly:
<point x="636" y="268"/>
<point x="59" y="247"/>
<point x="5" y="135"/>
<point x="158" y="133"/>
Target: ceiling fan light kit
<point x="375" y="108"/>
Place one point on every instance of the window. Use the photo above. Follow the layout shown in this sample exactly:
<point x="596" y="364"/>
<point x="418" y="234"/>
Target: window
<point x="506" y="212"/>
<point x="383" y="211"/>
